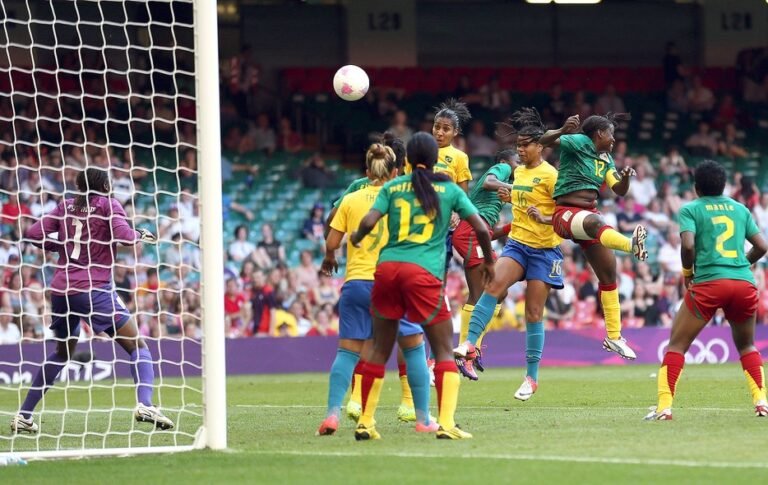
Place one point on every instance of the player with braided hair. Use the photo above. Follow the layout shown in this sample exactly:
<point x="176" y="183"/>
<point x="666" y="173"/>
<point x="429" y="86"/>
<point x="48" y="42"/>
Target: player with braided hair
<point x="585" y="164"/>
<point x="532" y="252"/>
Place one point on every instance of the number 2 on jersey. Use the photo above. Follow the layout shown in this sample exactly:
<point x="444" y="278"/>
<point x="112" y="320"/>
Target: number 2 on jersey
<point x="724" y="236"/>
<point x="76" y="238"/>
<point x="404" y="233"/>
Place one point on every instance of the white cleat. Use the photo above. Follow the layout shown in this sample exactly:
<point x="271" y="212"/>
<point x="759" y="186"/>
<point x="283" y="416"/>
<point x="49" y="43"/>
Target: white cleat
<point x="619" y="346"/>
<point x="150" y="414"/>
<point x="526" y="389"/>
<point x="639" y="235"/>
<point x="654" y="415"/>
<point x="21" y="425"/>
<point x="761" y="409"/>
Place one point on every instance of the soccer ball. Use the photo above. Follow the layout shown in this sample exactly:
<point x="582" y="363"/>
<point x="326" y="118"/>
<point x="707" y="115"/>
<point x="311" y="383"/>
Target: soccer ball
<point x="350" y="83"/>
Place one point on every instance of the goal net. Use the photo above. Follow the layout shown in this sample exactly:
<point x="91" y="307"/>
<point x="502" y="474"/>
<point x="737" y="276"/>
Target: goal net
<point x="112" y="84"/>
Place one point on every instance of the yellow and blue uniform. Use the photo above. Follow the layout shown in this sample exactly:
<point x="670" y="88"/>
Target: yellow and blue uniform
<point x="533" y="245"/>
<point x="355" y="300"/>
<point x="452" y="162"/>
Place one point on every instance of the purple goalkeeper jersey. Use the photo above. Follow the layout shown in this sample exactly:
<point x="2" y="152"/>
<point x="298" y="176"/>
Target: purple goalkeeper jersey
<point x="90" y="237"/>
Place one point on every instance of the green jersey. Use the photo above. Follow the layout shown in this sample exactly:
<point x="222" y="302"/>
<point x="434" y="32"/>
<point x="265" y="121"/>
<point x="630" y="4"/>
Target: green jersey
<point x="356" y="185"/>
<point x="487" y="202"/>
<point x="414" y="237"/>
<point x="720" y="225"/>
<point x="581" y="167"/>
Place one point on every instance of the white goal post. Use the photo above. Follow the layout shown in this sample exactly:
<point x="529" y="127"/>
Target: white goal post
<point x="131" y="87"/>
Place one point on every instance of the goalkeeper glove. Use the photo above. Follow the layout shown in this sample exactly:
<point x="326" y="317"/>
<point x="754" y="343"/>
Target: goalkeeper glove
<point x="146" y="237"/>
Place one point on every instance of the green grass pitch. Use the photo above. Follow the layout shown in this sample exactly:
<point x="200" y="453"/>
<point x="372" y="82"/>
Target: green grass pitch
<point x="583" y="426"/>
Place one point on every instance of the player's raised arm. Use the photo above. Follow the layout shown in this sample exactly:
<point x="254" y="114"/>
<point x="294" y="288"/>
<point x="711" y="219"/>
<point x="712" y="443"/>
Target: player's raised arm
<point x="620" y="183"/>
<point x="122" y="232"/>
<point x="552" y="137"/>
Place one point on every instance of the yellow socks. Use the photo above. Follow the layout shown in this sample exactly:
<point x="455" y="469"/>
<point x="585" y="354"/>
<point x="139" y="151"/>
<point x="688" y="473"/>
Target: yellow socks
<point x="447" y="384"/>
<point x="466" y="315"/>
<point x="609" y="298"/>
<point x="370" y="389"/>
<point x="611" y="238"/>
<point x="407" y="396"/>
<point x="671" y="368"/>
<point x="752" y="363"/>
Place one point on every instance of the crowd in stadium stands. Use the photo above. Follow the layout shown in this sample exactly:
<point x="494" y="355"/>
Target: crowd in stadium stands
<point x="268" y="296"/>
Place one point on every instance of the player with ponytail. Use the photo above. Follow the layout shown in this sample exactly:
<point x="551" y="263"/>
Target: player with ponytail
<point x="408" y="282"/>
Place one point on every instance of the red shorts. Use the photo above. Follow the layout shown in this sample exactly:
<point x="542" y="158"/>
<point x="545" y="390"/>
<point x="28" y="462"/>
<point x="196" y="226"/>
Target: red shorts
<point x="561" y="222"/>
<point x="737" y="298"/>
<point x="465" y="242"/>
<point x="408" y="290"/>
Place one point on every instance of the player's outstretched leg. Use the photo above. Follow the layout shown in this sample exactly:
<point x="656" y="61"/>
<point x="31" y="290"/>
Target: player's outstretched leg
<point x="143" y="373"/>
<point x="338" y="381"/>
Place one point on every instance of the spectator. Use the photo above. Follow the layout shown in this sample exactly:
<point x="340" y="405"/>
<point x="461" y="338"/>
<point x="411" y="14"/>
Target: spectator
<point x="700" y="97"/>
<point x="609" y="102"/>
<point x="674" y="70"/>
<point x="235" y="309"/>
<point x="478" y="143"/>
<point x="124" y="284"/>
<point x="672" y="163"/>
<point x="9" y="331"/>
<point x="726" y="113"/>
<point x="289" y="140"/>
<point x="702" y="143"/>
<point x="677" y="97"/>
<point x="325" y="292"/>
<point x="323" y="326"/>
<point x="285" y="324"/>
<point x="642" y="188"/>
<point x="669" y="254"/>
<point x="270" y="250"/>
<point x="493" y="97"/>
<point x="628" y="218"/>
<point x="263" y="135"/>
<point x="241" y="249"/>
<point x="760" y="212"/>
<point x="728" y="146"/>
<point x="303" y="324"/>
<point x="243" y="78"/>
<point x="658" y="220"/>
<point x="315" y="175"/>
<point x="400" y="126"/>
<point x="747" y="193"/>
<point x="314" y="226"/>
<point x="580" y="106"/>
<point x="556" y="103"/>
<point x="263" y="304"/>
<point x="306" y="273"/>
<point x="559" y="306"/>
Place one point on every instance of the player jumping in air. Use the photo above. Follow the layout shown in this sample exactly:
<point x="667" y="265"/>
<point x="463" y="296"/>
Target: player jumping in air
<point x="713" y="229"/>
<point x="406" y="412"/>
<point x="355" y="303"/>
<point x="408" y="279"/>
<point x="585" y="164"/>
<point x="89" y="228"/>
<point x="484" y="196"/>
<point x="532" y="252"/>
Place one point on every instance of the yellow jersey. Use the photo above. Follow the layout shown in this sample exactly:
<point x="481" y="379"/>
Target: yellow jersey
<point x="534" y="187"/>
<point x="361" y="262"/>
<point x="452" y="162"/>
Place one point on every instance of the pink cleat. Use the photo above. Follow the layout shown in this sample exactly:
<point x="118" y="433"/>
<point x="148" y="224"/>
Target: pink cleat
<point x="328" y="426"/>
<point x="432" y="427"/>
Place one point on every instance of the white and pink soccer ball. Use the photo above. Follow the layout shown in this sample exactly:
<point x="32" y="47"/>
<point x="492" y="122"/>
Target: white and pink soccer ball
<point x="350" y="83"/>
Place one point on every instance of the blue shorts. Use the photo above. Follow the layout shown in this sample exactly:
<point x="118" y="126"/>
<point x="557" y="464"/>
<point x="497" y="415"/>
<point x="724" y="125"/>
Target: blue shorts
<point x="355" y="313"/>
<point x="539" y="264"/>
<point x="101" y="308"/>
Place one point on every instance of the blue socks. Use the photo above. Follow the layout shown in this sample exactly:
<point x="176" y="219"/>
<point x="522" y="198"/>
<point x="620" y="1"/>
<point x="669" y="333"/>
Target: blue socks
<point x="418" y="380"/>
<point x="341" y="376"/>
<point x="43" y="381"/>
<point x="143" y="375"/>
<point x="534" y="346"/>
<point x="481" y="315"/>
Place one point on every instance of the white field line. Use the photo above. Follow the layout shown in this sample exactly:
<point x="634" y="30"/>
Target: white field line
<point x="510" y="406"/>
<point x="522" y="457"/>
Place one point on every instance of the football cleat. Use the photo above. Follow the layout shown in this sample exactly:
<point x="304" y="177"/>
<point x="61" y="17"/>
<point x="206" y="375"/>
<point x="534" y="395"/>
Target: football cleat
<point x="150" y="414"/>
<point x="639" y="235"/>
<point x="761" y="409"/>
<point x="619" y="346"/>
<point x="479" y="360"/>
<point x="464" y="355"/>
<point x="432" y="427"/>
<point x="466" y="368"/>
<point x="455" y="433"/>
<point x="406" y="414"/>
<point x="526" y="389"/>
<point x="363" y="433"/>
<point x="19" y="424"/>
<point x="328" y="426"/>
<point x="354" y="410"/>
<point x="654" y="415"/>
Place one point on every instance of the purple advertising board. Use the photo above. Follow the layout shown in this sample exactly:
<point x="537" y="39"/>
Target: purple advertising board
<point x="18" y="363"/>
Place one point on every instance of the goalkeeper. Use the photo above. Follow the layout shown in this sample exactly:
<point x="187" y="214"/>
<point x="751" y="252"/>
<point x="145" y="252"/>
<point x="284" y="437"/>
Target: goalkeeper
<point x="89" y="228"/>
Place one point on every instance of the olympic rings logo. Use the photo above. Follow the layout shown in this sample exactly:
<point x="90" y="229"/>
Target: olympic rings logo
<point x="714" y="352"/>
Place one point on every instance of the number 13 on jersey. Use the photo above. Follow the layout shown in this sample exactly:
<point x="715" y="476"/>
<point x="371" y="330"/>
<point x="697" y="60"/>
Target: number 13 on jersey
<point x="406" y="231"/>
